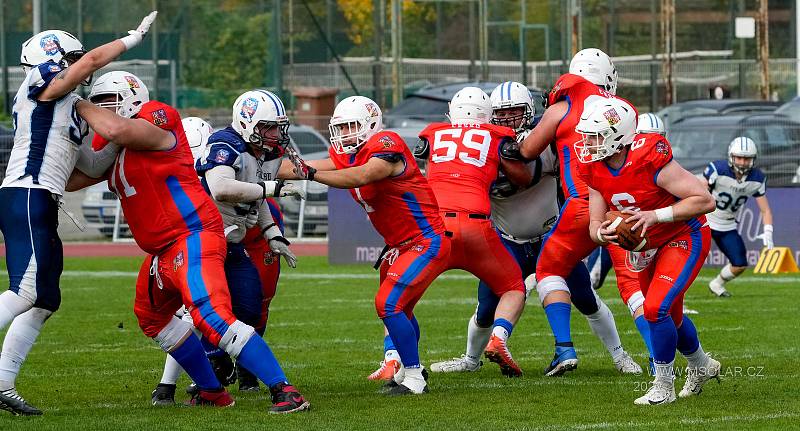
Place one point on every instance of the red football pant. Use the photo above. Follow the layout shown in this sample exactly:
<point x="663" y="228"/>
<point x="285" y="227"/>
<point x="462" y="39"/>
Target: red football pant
<point x="567" y="243"/>
<point x="190" y="272"/>
<point x="627" y="281"/>
<point x="269" y="270"/>
<point x="674" y="269"/>
<point x="476" y="247"/>
<point x="407" y="274"/>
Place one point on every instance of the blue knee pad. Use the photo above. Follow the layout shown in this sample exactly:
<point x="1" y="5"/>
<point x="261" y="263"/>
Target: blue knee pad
<point x="244" y="285"/>
<point x="580" y="290"/>
<point x="732" y="246"/>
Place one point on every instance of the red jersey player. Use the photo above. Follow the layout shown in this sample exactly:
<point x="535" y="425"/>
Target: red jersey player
<point x="464" y="161"/>
<point x="637" y="175"/>
<point x="592" y="75"/>
<point x="177" y="224"/>
<point x="383" y="177"/>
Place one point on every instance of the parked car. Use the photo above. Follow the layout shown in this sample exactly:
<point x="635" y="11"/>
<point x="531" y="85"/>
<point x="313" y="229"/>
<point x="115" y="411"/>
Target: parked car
<point x="790" y="109"/>
<point x="6" y="144"/>
<point x="679" y="111"/>
<point x="698" y="140"/>
<point x="99" y="204"/>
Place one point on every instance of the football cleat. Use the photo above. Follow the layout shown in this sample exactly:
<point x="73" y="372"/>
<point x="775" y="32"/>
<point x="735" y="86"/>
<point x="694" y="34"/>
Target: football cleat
<point x="456" y="365"/>
<point x="401" y="389"/>
<point x="386" y="371"/>
<point x="626" y="365"/>
<point x="697" y="377"/>
<point x="718" y="289"/>
<point x="224" y="369"/>
<point x="287" y="399"/>
<point x="690" y="310"/>
<point x="216" y="398"/>
<point x="497" y="352"/>
<point x="12" y="402"/>
<point x="393" y="382"/>
<point x="248" y="382"/>
<point x="565" y="359"/>
<point x="163" y="395"/>
<point x="662" y="392"/>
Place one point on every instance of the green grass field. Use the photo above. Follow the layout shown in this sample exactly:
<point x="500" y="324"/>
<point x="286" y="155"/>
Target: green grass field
<point x="93" y="369"/>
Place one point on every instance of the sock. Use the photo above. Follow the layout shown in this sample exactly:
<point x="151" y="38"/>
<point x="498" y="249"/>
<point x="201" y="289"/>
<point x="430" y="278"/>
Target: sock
<point x="605" y="328"/>
<point x="664" y="337"/>
<point x="502" y="328"/>
<point x="257" y="357"/>
<point x="664" y="372"/>
<point x="689" y="344"/>
<point x="11" y="306"/>
<point x="19" y="340"/>
<point x="192" y="358"/>
<point x="172" y="370"/>
<point x="558" y="314"/>
<point x="414" y="380"/>
<point x="404" y="338"/>
<point x="415" y="324"/>
<point x="210" y="349"/>
<point x="726" y="275"/>
<point x="387" y="343"/>
<point x="389" y="351"/>
<point x="477" y="340"/>
<point x="644" y="330"/>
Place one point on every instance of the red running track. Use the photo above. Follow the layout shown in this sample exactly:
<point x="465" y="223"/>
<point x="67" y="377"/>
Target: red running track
<point x="110" y="249"/>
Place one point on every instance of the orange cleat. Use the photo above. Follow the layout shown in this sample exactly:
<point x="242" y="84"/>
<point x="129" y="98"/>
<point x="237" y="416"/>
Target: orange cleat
<point x="497" y="352"/>
<point x="386" y="371"/>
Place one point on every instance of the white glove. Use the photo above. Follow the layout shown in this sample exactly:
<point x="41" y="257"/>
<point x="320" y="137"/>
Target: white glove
<point x="252" y="218"/>
<point x="292" y="189"/>
<point x="767" y="237"/>
<point x="280" y="245"/>
<point x="135" y="37"/>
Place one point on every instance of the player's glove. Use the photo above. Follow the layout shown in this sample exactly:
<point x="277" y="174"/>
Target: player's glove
<point x="252" y="217"/>
<point x="509" y="150"/>
<point x="766" y="237"/>
<point x="135" y="37"/>
<point x="279" y="244"/>
<point x="289" y="189"/>
<point x="301" y="169"/>
<point x="422" y="150"/>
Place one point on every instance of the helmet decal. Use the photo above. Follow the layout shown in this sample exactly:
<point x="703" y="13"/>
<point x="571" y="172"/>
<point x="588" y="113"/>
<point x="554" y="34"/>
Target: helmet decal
<point x="612" y="116"/>
<point x="50" y="44"/>
<point x="249" y="107"/>
<point x="132" y="82"/>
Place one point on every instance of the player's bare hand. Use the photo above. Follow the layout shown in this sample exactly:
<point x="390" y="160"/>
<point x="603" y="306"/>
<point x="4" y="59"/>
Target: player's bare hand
<point x="606" y="235"/>
<point x="301" y="169"/>
<point x="643" y="219"/>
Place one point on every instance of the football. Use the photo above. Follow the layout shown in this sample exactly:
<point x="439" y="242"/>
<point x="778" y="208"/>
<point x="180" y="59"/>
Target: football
<point x="626" y="239"/>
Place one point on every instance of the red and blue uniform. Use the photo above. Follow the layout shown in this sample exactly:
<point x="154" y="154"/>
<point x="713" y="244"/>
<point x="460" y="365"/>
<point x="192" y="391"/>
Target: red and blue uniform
<point x="463" y="164"/>
<point x="568" y="242"/>
<point x="404" y="211"/>
<point x="682" y="246"/>
<point x="174" y="221"/>
<point x="266" y="262"/>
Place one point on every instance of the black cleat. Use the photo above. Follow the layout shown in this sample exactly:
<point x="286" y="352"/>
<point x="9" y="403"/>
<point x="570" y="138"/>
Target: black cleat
<point x="163" y="395"/>
<point x="12" y="402"/>
<point x="287" y="399"/>
<point x="192" y="389"/>
<point x="223" y="369"/>
<point x="248" y="382"/>
<point x="403" y="390"/>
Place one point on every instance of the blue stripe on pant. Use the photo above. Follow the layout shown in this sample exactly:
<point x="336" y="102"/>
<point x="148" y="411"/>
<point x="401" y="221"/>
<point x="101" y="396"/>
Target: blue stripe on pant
<point x="34" y="255"/>
<point x="197" y="286"/>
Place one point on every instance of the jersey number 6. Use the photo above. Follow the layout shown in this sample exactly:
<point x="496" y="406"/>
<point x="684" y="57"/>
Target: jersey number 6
<point x="473" y="139"/>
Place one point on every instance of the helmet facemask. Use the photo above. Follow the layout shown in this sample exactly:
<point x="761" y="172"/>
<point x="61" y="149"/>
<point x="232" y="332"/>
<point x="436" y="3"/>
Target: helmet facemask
<point x="271" y="138"/>
<point x="741" y="168"/>
<point x="595" y="146"/>
<point x="122" y="102"/>
<point x="347" y="135"/>
<point x="517" y="117"/>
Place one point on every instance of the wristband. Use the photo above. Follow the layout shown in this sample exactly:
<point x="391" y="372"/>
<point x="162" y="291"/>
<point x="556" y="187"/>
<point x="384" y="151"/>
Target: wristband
<point x="131" y="40"/>
<point x="278" y="186"/>
<point x="768" y="228"/>
<point x="664" y="215"/>
<point x="263" y="231"/>
<point x="311" y="172"/>
<point x="281" y="240"/>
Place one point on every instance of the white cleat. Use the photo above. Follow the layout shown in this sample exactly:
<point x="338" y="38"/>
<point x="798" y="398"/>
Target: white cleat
<point x="660" y="393"/>
<point x="456" y="365"/>
<point x="697" y="377"/>
<point x="689" y="310"/>
<point x="718" y="289"/>
<point x="626" y="365"/>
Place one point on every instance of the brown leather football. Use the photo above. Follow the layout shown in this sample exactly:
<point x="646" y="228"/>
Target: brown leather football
<point x="626" y="239"/>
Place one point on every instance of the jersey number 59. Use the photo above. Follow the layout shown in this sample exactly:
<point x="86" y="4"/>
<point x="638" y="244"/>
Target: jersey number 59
<point x="476" y="141"/>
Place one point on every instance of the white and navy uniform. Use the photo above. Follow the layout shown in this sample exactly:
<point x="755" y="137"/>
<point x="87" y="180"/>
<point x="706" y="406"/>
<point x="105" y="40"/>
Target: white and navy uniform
<point x="47" y="136"/>
<point x="731" y="195"/>
<point x="227" y="148"/>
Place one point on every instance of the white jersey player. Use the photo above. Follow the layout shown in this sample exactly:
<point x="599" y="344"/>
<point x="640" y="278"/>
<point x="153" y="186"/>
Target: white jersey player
<point x="48" y="141"/>
<point x="523" y="216"/>
<point x="732" y="182"/>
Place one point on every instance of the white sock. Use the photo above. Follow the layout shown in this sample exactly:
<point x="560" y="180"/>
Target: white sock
<point x="477" y="339"/>
<point x="391" y="355"/>
<point x="11" y="306"/>
<point x="605" y="328"/>
<point x="413" y="380"/>
<point x="19" y="339"/>
<point x="172" y="370"/>
<point x="726" y="275"/>
<point x="698" y="359"/>
<point x="500" y="332"/>
<point x="664" y="372"/>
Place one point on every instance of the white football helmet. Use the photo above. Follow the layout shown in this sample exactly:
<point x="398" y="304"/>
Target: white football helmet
<point x="56" y="45"/>
<point x="259" y="117"/>
<point x="650" y="123"/>
<point x="197" y="133"/>
<point x="130" y="92"/>
<point x="470" y="106"/>
<point x="596" y="67"/>
<point x="742" y="147"/>
<point x="512" y="95"/>
<point x="607" y="124"/>
<point x="354" y="121"/>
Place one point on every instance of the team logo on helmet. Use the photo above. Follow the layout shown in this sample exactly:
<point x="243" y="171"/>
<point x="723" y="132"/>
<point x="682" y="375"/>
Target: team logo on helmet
<point x="49" y="44"/>
<point x="132" y="81"/>
<point x="177" y="262"/>
<point x="372" y="109"/>
<point x="612" y="116"/>
<point x="159" y="117"/>
<point x="249" y="107"/>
